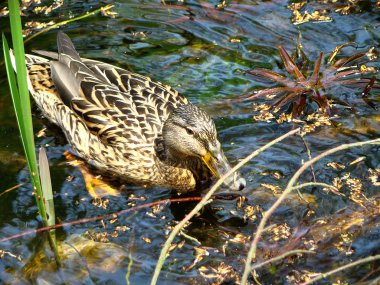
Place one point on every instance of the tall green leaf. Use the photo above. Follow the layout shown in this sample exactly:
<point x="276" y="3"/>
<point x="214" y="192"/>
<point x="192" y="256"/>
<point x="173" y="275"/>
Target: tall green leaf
<point x="21" y="101"/>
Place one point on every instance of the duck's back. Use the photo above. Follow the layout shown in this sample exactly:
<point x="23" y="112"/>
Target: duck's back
<point x="143" y="103"/>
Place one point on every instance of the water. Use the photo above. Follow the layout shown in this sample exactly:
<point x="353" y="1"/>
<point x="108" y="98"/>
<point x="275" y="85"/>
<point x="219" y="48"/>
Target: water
<point x="204" y="53"/>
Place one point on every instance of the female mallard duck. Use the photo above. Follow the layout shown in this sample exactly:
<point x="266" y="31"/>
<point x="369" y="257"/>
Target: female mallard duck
<point x="124" y="123"/>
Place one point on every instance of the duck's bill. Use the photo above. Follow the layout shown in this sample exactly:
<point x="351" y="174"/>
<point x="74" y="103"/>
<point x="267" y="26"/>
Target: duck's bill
<point x="218" y="165"/>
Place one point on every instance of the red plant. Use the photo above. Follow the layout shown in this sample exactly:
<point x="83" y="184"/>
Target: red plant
<point x="314" y="83"/>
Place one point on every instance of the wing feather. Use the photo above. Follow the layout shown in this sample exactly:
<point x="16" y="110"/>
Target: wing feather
<point x="121" y="108"/>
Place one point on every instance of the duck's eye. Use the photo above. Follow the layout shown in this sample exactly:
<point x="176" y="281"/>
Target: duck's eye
<point x="189" y="131"/>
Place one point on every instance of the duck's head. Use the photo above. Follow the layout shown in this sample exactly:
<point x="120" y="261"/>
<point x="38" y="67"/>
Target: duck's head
<point x="190" y="133"/>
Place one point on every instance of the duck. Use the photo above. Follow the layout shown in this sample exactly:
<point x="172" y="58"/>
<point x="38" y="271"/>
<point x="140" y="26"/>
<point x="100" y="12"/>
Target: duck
<point x="126" y="124"/>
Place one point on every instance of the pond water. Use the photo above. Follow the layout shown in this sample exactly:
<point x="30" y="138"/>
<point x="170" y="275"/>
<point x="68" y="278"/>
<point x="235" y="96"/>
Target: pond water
<point x="204" y="52"/>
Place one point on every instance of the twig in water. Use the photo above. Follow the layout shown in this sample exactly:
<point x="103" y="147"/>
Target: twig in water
<point x="57" y="25"/>
<point x="274" y="259"/>
<point x="11" y="189"/>
<point x="255" y="275"/>
<point x="193" y="239"/>
<point x="112" y="215"/>
<point x="309" y="156"/>
<point x="336" y="190"/>
<point x="344" y="267"/>
<point x="130" y="263"/>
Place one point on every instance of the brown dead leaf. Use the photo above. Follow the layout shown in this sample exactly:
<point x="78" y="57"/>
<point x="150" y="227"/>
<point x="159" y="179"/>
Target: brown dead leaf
<point x="223" y="274"/>
<point x="275" y="188"/>
<point x="147" y="240"/>
<point x="336" y="165"/>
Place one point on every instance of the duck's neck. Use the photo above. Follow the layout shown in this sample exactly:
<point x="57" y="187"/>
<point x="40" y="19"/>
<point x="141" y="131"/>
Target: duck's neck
<point x="168" y="157"/>
<point x="194" y="164"/>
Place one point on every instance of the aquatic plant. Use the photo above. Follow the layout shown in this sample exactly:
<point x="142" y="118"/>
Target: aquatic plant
<point x="306" y="83"/>
<point x="20" y="96"/>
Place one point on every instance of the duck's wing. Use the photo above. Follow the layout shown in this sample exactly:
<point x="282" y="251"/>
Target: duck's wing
<point x="150" y="101"/>
<point x="118" y="106"/>
<point x="125" y="80"/>
<point x="132" y="82"/>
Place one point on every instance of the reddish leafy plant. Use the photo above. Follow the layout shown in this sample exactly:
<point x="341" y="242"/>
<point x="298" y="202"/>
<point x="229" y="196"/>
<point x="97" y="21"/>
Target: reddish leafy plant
<point x="307" y="83"/>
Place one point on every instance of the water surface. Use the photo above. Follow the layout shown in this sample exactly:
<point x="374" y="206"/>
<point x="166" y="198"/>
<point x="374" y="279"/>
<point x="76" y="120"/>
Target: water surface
<point x="204" y="53"/>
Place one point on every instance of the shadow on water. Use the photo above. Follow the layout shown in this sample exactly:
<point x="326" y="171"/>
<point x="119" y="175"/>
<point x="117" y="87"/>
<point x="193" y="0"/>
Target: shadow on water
<point x="203" y="52"/>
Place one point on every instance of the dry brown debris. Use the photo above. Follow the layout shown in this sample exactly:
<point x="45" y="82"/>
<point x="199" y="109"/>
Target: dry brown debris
<point x="122" y="228"/>
<point x="274" y="188"/>
<point x="109" y="13"/>
<point x="355" y="186"/>
<point x="101" y="203"/>
<point x="48" y="9"/>
<point x="374" y="176"/>
<point x="298" y="277"/>
<point x="308" y="124"/>
<point x="279" y="232"/>
<point x="310" y="244"/>
<point x="356" y="191"/>
<point x="275" y="174"/>
<point x="4" y="253"/>
<point x="336" y="165"/>
<point x="240" y="239"/>
<point x="344" y="245"/>
<point x="200" y="253"/>
<point x="4" y="12"/>
<point x="223" y="274"/>
<point x="31" y="27"/>
<point x="146" y="240"/>
<point x="38" y="7"/>
<point x="250" y="212"/>
<point x="97" y="236"/>
<point x="301" y="17"/>
<point x="316" y="16"/>
<point x="322" y="10"/>
<point x="358" y="160"/>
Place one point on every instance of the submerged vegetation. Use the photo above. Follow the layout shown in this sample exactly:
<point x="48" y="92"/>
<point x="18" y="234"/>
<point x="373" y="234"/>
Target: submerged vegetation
<point x="312" y="199"/>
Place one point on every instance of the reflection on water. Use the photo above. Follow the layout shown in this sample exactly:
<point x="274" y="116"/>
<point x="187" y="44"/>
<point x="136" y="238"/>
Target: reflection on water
<point x="203" y="52"/>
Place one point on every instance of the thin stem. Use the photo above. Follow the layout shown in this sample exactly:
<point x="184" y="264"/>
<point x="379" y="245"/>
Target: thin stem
<point x="344" y="267"/>
<point x="289" y="188"/>
<point x="129" y="268"/>
<point x="314" y="184"/>
<point x="92" y="219"/>
<point x="11" y="189"/>
<point x="274" y="259"/>
<point x="205" y="201"/>
<point x="309" y="156"/>
<point x="57" y="25"/>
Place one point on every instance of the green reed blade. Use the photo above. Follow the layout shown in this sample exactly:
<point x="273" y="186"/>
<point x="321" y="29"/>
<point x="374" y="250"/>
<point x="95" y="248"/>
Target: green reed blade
<point x="11" y="79"/>
<point x="21" y="101"/>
